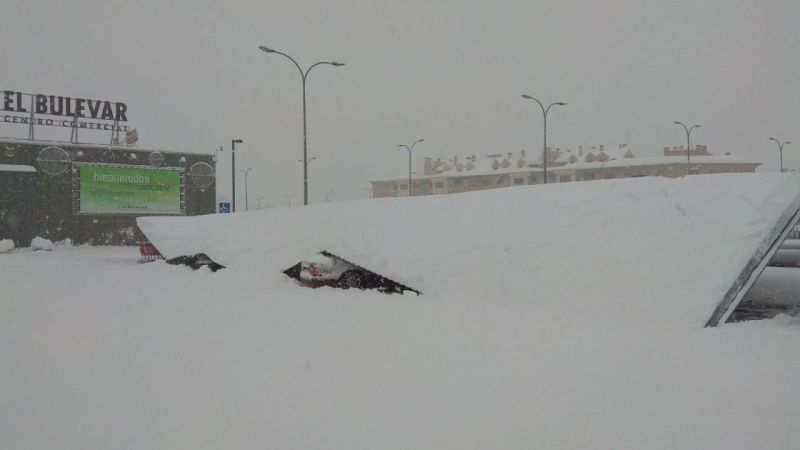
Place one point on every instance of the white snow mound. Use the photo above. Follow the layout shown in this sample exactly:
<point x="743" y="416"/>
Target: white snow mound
<point x="39" y="243"/>
<point x="6" y="245"/>
<point x="636" y="248"/>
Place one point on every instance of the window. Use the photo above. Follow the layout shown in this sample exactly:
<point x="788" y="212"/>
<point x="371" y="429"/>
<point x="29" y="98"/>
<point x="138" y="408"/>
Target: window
<point x="485" y="182"/>
<point x="519" y="180"/>
<point x="588" y="176"/>
<point x="439" y="185"/>
<point x="564" y="178"/>
<point x="404" y="187"/>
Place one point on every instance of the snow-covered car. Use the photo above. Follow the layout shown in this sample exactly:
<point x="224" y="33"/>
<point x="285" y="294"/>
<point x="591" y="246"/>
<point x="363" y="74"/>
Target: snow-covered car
<point x="328" y="270"/>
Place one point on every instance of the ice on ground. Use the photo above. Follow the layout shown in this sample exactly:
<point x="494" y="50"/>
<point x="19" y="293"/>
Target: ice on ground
<point x="6" y="245"/>
<point x="39" y="243"/>
<point x="658" y="249"/>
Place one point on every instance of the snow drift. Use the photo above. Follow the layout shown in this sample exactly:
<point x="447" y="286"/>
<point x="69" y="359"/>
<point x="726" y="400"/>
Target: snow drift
<point x="644" y="248"/>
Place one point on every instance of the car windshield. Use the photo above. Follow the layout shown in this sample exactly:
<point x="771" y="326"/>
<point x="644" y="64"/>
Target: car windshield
<point x="399" y="224"/>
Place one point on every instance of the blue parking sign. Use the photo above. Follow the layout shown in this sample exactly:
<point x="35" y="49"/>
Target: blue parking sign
<point x="224" y="207"/>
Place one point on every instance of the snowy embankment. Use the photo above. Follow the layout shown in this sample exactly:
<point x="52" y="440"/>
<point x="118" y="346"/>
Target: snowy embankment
<point x="655" y="247"/>
<point x="99" y="352"/>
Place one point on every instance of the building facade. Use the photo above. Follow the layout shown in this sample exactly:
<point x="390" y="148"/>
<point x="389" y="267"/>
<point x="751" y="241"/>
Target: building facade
<point x="93" y="193"/>
<point x="597" y="163"/>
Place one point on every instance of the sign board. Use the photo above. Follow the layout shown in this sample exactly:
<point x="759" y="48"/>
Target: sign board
<point x="224" y="207"/>
<point x="129" y="190"/>
<point x="70" y="112"/>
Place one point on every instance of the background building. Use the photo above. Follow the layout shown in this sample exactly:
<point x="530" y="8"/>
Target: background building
<point x="597" y="163"/>
<point x="93" y="193"/>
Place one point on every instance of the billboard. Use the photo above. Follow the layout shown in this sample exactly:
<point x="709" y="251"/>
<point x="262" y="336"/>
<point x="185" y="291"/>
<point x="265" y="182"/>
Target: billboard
<point x="129" y="190"/>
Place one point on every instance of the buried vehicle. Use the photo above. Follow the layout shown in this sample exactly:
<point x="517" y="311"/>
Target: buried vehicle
<point x="326" y="269"/>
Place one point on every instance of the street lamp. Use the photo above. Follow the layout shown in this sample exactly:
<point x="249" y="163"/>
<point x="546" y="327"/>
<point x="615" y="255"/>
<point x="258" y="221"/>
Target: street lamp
<point x="409" y="161"/>
<point x="246" y="202"/>
<point x="307" y="162"/>
<point x="289" y="198"/>
<point x="304" y="77"/>
<point x="780" y="149"/>
<point x="688" y="141"/>
<point x="544" y="112"/>
<point x="233" y="172"/>
<point x="327" y="193"/>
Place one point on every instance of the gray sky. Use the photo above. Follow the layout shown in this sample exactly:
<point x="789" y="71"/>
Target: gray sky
<point x="451" y="72"/>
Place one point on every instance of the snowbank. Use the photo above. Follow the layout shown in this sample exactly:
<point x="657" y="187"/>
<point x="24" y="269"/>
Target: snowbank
<point x="653" y="247"/>
<point x="39" y="243"/>
<point x="6" y="245"/>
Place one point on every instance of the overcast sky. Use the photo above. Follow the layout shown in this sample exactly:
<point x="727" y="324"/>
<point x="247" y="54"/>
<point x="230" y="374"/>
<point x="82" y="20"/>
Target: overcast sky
<point x="451" y="72"/>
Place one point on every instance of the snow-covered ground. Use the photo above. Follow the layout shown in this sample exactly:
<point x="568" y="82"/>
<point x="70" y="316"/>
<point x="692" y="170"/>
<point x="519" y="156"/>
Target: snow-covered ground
<point x="99" y="352"/>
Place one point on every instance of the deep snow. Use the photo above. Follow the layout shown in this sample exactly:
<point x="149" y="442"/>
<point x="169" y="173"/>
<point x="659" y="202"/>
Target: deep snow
<point x="99" y="352"/>
<point x="159" y="357"/>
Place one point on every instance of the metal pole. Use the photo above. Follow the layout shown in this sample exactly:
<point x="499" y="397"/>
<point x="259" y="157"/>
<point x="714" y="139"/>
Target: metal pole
<point x="246" y="200"/>
<point x="688" y="152"/>
<point x="688" y="142"/>
<point x="305" y="144"/>
<point x="304" y="77"/>
<point x="409" y="161"/>
<point x="545" y="111"/>
<point x="544" y="151"/>
<point x="780" y="149"/>
<point x="233" y="175"/>
<point x="409" y="174"/>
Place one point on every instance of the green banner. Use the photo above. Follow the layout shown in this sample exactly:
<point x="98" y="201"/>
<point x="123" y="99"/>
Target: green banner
<point x="129" y="190"/>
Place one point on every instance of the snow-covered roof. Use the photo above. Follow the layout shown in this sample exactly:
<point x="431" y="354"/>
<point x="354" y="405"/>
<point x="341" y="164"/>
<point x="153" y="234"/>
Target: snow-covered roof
<point x="17" y="168"/>
<point x="652" y="247"/>
<point x="616" y="158"/>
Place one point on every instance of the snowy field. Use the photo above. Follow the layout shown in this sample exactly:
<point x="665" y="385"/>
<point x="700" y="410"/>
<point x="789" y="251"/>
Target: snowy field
<point x="98" y="352"/>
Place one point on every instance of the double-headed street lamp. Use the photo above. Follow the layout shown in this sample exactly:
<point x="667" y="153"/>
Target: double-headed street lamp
<point x="304" y="77"/>
<point x="409" y="161"/>
<point x="688" y="142"/>
<point x="780" y="148"/>
<point x="233" y="172"/>
<point x="544" y="112"/>
<point x="246" y="202"/>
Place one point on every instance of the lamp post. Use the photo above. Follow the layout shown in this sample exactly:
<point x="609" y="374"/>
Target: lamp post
<point x="233" y="173"/>
<point x="780" y="149"/>
<point x="327" y="193"/>
<point x="246" y="202"/>
<point x="688" y="142"/>
<point x="409" y="161"/>
<point x="289" y="199"/>
<point x="304" y="77"/>
<point x="544" y="112"/>
<point x="216" y="172"/>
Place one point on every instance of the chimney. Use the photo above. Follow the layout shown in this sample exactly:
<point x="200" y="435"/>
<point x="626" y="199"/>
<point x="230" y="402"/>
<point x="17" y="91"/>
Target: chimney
<point x="580" y="150"/>
<point x="602" y="147"/>
<point x="428" y="167"/>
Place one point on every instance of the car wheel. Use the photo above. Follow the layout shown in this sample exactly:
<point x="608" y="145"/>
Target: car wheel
<point x="351" y="279"/>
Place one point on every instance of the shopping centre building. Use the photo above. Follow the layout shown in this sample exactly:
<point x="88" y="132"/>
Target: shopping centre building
<point x="89" y="193"/>
<point x="503" y="170"/>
